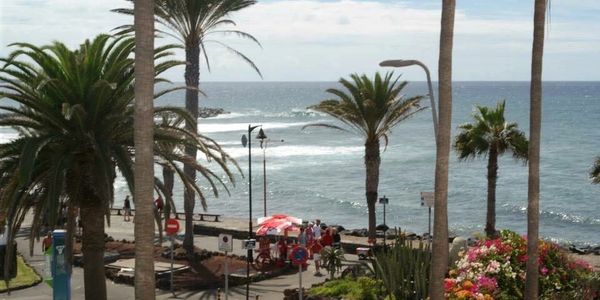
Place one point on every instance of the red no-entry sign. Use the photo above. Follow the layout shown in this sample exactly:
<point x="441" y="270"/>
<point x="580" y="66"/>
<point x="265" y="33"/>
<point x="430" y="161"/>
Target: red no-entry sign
<point x="172" y="226"/>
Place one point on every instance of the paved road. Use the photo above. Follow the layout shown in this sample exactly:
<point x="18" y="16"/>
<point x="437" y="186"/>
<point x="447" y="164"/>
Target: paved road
<point x="271" y="289"/>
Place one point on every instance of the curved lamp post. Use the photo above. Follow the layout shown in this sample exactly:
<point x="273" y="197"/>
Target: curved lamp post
<point x="399" y="63"/>
<point x="247" y="140"/>
<point x="263" y="145"/>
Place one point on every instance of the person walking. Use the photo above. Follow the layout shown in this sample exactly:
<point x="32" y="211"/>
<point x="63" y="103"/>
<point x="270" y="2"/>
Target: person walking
<point x="316" y="250"/>
<point x="302" y="237"/>
<point x="317" y="229"/>
<point x="337" y="239"/>
<point x="327" y="239"/>
<point x="47" y="242"/>
<point x="126" y="209"/>
<point x="159" y="203"/>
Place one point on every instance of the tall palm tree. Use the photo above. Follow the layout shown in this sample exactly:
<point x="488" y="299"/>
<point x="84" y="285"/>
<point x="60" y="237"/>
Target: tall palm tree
<point x="535" y="124"/>
<point x="194" y="23"/>
<point x="492" y="136"/>
<point x="144" y="152"/>
<point x="75" y="118"/>
<point x="595" y="172"/>
<point x="371" y="108"/>
<point x="439" y="248"/>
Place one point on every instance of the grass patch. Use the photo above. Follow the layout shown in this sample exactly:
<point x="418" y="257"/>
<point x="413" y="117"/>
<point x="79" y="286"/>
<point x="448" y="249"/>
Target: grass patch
<point x="26" y="277"/>
<point x="361" y="288"/>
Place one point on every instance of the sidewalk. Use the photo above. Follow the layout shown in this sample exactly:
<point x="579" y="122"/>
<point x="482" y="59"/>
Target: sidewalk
<point x="271" y="289"/>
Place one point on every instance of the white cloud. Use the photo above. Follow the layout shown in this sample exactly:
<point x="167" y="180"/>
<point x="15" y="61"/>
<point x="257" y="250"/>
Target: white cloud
<point x="313" y="40"/>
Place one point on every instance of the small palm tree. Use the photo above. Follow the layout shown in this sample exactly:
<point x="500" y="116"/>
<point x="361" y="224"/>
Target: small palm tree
<point x="196" y="24"/>
<point x="371" y="108"/>
<point x="490" y="135"/>
<point x="75" y="118"/>
<point x="332" y="260"/>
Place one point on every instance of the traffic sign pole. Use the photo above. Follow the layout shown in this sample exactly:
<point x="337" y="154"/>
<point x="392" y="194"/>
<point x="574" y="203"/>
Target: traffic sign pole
<point x="171" y="228"/>
<point x="299" y="257"/>
<point x="226" y="276"/>
<point x="300" y="281"/>
<point x="172" y="250"/>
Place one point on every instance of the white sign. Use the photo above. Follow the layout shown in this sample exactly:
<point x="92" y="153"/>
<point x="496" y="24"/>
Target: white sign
<point x="225" y="242"/>
<point x="249" y="244"/>
<point x="427" y="199"/>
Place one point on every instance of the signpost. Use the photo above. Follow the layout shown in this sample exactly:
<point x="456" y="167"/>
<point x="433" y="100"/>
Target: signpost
<point x="299" y="257"/>
<point x="171" y="228"/>
<point x="427" y="199"/>
<point x="226" y="245"/>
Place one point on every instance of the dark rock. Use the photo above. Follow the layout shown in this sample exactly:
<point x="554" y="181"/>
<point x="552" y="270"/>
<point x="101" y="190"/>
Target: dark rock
<point x="206" y="112"/>
<point x="338" y="228"/>
<point x="382" y="227"/>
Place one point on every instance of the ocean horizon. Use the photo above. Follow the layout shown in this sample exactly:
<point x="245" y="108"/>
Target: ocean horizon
<point x="319" y="173"/>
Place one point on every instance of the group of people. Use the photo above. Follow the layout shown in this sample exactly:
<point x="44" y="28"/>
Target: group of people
<point x="316" y="236"/>
<point x="159" y="204"/>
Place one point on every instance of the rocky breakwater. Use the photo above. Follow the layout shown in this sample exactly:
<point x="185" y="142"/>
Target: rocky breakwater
<point x="207" y="112"/>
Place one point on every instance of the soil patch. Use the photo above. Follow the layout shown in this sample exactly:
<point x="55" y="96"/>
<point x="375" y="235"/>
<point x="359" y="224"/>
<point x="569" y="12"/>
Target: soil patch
<point x="208" y="272"/>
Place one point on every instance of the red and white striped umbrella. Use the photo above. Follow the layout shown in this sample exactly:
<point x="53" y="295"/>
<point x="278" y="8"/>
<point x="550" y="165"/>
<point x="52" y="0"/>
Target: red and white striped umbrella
<point x="277" y="219"/>
<point x="277" y="223"/>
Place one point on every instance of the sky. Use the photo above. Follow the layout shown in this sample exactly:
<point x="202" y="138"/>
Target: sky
<point x="323" y="40"/>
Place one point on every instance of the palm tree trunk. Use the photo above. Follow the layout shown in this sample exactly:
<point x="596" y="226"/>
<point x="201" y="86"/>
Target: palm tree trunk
<point x="144" y="153"/>
<point x="92" y="216"/>
<point x="372" y="161"/>
<point x="439" y="264"/>
<point x="535" y="121"/>
<point x="490" y="223"/>
<point x="168" y="181"/>
<point x="192" y="81"/>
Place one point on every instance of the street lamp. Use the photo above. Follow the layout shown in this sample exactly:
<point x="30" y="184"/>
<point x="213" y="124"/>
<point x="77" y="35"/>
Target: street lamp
<point x="399" y="63"/>
<point x="263" y="145"/>
<point x="385" y="201"/>
<point x="249" y="251"/>
<point x="263" y="137"/>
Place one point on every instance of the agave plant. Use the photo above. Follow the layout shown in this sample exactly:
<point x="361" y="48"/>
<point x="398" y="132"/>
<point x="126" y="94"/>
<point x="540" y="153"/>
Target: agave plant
<point x="404" y="269"/>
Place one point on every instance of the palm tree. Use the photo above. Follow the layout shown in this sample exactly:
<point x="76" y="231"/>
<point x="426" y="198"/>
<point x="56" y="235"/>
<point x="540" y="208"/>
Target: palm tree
<point x="193" y="23"/>
<point x="492" y="136"/>
<point x="144" y="152"/>
<point x="535" y="124"/>
<point x="371" y="109"/>
<point x="595" y="172"/>
<point x="74" y="115"/>
<point x="439" y="248"/>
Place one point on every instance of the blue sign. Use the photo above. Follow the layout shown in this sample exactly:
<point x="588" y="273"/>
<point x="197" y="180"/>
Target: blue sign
<point x="61" y="276"/>
<point x="299" y="255"/>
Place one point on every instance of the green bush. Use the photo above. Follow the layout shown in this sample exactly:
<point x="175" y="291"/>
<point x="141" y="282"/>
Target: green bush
<point x="361" y="288"/>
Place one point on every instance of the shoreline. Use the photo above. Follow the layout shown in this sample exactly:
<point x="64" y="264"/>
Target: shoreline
<point x="238" y="227"/>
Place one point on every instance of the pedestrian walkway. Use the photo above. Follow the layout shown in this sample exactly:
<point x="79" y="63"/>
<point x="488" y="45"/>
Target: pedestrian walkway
<point x="266" y="290"/>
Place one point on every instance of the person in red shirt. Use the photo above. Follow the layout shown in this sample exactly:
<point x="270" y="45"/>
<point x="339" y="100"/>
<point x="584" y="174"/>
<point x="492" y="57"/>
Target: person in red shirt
<point x="316" y="250"/>
<point x="282" y="248"/>
<point x="159" y="204"/>
<point x="327" y="239"/>
<point x="47" y="242"/>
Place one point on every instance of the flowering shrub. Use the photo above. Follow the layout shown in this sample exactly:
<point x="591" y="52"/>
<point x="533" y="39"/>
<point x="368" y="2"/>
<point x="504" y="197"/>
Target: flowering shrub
<point x="495" y="270"/>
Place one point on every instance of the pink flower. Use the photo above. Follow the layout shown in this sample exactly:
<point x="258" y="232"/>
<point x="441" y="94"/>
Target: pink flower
<point x="487" y="283"/>
<point x="544" y="271"/>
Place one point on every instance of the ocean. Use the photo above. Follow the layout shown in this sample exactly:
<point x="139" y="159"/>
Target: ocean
<point x="319" y="172"/>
